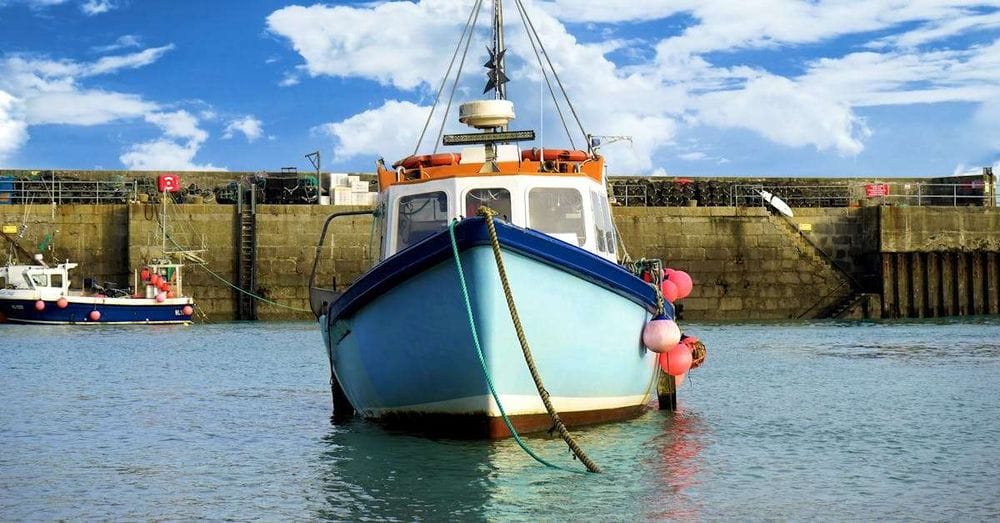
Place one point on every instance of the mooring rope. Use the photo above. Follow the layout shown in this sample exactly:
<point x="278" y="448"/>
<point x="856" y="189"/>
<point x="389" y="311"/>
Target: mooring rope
<point x="542" y="392"/>
<point x="482" y="358"/>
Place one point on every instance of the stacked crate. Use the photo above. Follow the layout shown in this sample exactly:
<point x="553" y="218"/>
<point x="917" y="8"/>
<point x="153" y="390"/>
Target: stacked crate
<point x="348" y="189"/>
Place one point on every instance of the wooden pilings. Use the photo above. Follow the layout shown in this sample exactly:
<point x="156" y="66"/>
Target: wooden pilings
<point x="935" y="284"/>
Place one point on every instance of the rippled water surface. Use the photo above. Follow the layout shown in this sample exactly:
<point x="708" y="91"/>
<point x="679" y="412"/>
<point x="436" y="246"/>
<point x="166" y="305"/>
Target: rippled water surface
<point x="830" y="421"/>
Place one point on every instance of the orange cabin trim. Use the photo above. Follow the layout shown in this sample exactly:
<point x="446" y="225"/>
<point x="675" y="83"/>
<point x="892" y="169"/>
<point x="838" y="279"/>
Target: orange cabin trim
<point x="591" y="168"/>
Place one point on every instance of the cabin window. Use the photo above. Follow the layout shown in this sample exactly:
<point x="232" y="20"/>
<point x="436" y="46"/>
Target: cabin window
<point x="420" y="216"/>
<point x="56" y="281"/>
<point x="603" y="227"/>
<point x="40" y="280"/>
<point x="557" y="212"/>
<point x="496" y="199"/>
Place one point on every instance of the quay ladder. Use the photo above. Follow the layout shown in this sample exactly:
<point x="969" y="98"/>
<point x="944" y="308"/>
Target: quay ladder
<point x="246" y="244"/>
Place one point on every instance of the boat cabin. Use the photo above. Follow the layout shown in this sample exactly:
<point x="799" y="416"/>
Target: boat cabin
<point x="560" y="193"/>
<point x="40" y="278"/>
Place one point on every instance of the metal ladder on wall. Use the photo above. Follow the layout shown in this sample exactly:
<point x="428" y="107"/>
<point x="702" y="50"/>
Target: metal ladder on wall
<point x="246" y="253"/>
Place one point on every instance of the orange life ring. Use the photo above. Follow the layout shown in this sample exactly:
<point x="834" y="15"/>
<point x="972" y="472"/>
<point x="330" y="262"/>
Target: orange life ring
<point x="428" y="160"/>
<point x="563" y="155"/>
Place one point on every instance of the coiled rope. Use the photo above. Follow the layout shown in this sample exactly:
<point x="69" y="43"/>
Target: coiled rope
<point x="557" y="423"/>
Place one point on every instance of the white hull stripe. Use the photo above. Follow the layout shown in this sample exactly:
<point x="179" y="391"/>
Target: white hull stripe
<point x="514" y="404"/>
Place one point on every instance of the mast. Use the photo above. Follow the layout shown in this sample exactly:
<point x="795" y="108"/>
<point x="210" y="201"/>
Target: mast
<point x="498" y="50"/>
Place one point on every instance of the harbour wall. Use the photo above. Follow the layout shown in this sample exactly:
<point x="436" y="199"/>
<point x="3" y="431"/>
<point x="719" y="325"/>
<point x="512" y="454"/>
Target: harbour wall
<point x="748" y="264"/>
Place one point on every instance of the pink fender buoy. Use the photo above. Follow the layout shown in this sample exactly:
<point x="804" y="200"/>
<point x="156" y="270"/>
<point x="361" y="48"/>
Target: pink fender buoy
<point x="667" y="272"/>
<point x="39" y="305"/>
<point x="160" y="297"/>
<point x="677" y="360"/>
<point x="62" y="303"/>
<point x="188" y="310"/>
<point x="94" y="315"/>
<point x="660" y="335"/>
<point x="683" y="282"/>
<point x="669" y="290"/>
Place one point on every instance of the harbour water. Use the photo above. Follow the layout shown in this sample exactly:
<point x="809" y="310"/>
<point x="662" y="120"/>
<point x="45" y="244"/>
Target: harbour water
<point x="836" y="421"/>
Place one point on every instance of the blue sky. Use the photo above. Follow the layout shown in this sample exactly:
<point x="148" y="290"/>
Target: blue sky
<point x="703" y="87"/>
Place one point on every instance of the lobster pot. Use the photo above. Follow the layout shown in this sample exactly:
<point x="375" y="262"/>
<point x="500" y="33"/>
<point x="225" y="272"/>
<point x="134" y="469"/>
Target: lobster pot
<point x="6" y="190"/>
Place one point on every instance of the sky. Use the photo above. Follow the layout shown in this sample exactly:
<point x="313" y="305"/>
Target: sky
<point x="701" y="87"/>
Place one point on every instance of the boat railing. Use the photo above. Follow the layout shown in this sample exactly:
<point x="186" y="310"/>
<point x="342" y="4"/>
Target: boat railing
<point x="60" y="192"/>
<point x="320" y="298"/>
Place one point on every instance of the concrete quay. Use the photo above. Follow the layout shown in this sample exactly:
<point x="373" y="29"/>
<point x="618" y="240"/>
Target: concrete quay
<point x="747" y="263"/>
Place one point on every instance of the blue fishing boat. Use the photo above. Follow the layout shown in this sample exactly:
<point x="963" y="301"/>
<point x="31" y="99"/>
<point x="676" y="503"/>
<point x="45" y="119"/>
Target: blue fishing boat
<point x="497" y="266"/>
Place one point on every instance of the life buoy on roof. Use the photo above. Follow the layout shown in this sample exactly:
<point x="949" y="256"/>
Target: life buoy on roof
<point x="429" y="160"/>
<point x="564" y="155"/>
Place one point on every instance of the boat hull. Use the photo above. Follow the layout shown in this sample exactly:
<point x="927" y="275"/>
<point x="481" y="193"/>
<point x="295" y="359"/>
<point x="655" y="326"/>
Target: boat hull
<point x="407" y="357"/>
<point x="120" y="311"/>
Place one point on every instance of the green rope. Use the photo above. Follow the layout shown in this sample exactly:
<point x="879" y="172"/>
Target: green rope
<point x="482" y="359"/>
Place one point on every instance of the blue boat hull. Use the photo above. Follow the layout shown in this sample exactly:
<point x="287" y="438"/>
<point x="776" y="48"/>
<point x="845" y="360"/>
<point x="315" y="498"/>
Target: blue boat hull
<point x="406" y="355"/>
<point x="23" y="311"/>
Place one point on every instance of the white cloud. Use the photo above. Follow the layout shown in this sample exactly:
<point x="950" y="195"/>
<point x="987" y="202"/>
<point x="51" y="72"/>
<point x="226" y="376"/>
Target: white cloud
<point x="390" y="130"/>
<point x="251" y="128"/>
<point x="123" y="42"/>
<point x="407" y="45"/>
<point x="782" y="111"/>
<point x="393" y="43"/>
<point x="158" y="155"/>
<point x="47" y="91"/>
<point x="110" y="64"/>
<point x="176" y="150"/>
<point x="13" y="130"/>
<point x="83" y="107"/>
<point x="96" y="7"/>
<point x="693" y="156"/>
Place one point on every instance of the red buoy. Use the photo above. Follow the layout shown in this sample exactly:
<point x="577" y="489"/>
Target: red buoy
<point x="188" y="310"/>
<point x="144" y="275"/>
<point x="94" y="315"/>
<point x="170" y="295"/>
<point x="62" y="303"/>
<point x="39" y="305"/>
<point x="669" y="290"/>
<point x="677" y="360"/>
<point x="683" y="282"/>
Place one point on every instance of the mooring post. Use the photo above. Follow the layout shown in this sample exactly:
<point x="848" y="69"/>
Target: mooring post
<point x="666" y="390"/>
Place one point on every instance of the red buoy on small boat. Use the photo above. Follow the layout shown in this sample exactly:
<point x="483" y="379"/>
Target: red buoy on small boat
<point x="144" y="275"/>
<point x="62" y="303"/>
<point x="160" y="297"/>
<point x="39" y="305"/>
<point x="94" y="315"/>
<point x="188" y="310"/>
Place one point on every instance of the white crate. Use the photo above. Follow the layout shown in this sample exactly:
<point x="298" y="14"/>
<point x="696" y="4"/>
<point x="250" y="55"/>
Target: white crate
<point x="359" y="186"/>
<point x="342" y="196"/>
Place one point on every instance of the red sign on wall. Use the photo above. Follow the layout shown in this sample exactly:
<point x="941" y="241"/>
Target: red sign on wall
<point x="169" y="183"/>
<point x="876" y="190"/>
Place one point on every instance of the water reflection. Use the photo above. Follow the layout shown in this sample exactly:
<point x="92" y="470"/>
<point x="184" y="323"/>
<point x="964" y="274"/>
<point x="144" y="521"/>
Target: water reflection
<point x="367" y="472"/>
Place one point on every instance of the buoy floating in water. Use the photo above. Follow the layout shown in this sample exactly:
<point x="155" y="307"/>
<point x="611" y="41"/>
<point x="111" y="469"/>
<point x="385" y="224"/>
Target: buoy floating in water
<point x="660" y="334"/>
<point x="94" y="315"/>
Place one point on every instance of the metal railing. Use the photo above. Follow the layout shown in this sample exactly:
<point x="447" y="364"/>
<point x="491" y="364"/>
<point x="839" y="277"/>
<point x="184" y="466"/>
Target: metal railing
<point x="881" y="193"/>
<point x="629" y="194"/>
<point x="70" y="192"/>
